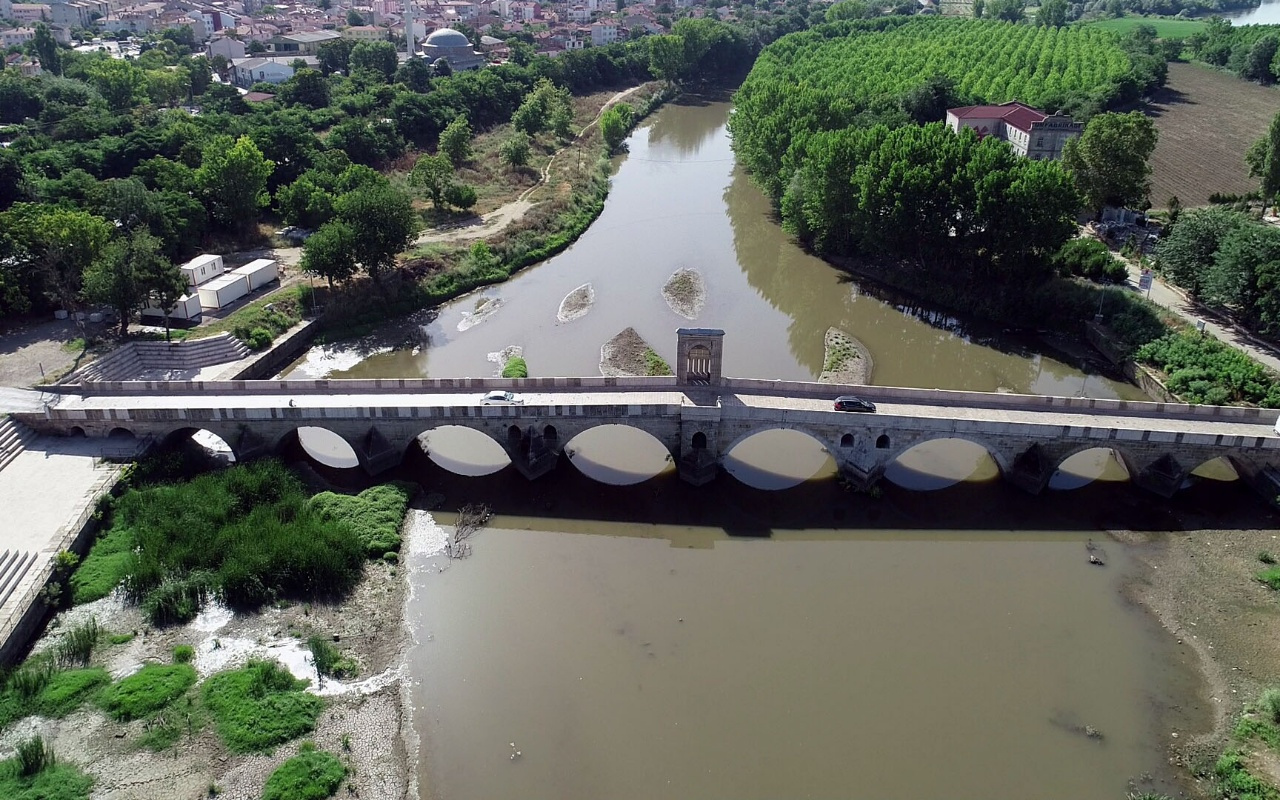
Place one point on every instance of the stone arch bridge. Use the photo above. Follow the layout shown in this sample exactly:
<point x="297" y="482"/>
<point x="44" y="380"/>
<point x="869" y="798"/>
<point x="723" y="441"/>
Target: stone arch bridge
<point x="698" y="422"/>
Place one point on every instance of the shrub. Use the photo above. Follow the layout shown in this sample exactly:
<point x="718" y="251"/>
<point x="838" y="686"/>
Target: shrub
<point x="53" y="782"/>
<point x="34" y="756"/>
<point x="146" y="691"/>
<point x="374" y="515"/>
<point x="1089" y="258"/>
<point x="260" y="706"/>
<point x="655" y="364"/>
<point x="310" y="775"/>
<point x="516" y="368"/>
<point x="1266" y="557"/>
<point x="248" y="535"/>
<point x="183" y="654"/>
<point x="329" y="660"/>
<point x="67" y="690"/>
<point x="1269" y="705"/>
<point x="75" y="648"/>
<point x="259" y="339"/>
<point x="1201" y="369"/>
<point x="1270" y="578"/>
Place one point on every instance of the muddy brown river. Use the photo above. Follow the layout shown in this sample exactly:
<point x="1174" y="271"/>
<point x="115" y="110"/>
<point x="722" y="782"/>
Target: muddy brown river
<point x="617" y="634"/>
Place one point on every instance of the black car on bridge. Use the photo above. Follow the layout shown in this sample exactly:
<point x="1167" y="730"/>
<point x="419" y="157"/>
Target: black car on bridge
<point x="850" y="403"/>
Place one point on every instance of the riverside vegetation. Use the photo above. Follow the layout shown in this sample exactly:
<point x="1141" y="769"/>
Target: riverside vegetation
<point x="245" y="536"/>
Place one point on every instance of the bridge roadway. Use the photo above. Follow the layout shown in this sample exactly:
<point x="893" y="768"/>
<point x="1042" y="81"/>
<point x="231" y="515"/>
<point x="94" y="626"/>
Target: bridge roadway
<point x="1027" y="436"/>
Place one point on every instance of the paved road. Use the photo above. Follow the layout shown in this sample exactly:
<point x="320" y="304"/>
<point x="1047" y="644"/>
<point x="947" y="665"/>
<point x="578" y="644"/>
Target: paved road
<point x="732" y="404"/>
<point x="1173" y="299"/>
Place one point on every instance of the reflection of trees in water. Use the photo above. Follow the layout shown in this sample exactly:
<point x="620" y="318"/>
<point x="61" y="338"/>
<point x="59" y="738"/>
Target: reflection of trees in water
<point x="688" y="127"/>
<point x="918" y="344"/>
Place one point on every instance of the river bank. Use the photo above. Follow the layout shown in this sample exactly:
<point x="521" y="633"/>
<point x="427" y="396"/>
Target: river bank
<point x="1201" y="585"/>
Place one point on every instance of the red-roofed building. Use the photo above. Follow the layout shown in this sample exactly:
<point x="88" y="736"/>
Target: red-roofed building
<point x="1031" y="133"/>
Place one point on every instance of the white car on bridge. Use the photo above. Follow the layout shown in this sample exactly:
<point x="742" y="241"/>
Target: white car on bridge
<point x="501" y="398"/>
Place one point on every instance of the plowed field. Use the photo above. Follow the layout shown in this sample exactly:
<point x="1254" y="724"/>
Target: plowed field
<point x="1207" y="120"/>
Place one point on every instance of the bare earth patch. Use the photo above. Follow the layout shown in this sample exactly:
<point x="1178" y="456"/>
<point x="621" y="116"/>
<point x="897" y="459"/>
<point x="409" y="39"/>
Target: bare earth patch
<point x="1207" y="120"/>
<point x="845" y="359"/>
<point x="686" y="292"/>
<point x="623" y="355"/>
<point x="503" y="356"/>
<point x="485" y="307"/>
<point x="577" y="303"/>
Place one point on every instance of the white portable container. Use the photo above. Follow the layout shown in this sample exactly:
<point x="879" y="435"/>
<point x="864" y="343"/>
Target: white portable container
<point x="202" y="268"/>
<point x="187" y="307"/>
<point x="223" y="291"/>
<point x="259" y="273"/>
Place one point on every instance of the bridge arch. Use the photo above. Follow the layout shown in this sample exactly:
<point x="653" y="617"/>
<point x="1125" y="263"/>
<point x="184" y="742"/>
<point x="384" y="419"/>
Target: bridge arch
<point x="1066" y="480"/>
<point x="903" y="474"/>
<point x="463" y="449"/>
<point x="618" y="454"/>
<point x="322" y="445"/>
<point x="1219" y="468"/>
<point x="120" y="433"/>
<point x="800" y="466"/>
<point x="210" y="440"/>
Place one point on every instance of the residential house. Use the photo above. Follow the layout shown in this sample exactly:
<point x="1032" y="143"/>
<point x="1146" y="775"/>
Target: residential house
<point x="245" y="72"/>
<point x="81" y="13"/>
<point x="365" y="33"/>
<point x="31" y="12"/>
<point x="6" y="9"/>
<point x="305" y="43"/>
<point x="579" y="14"/>
<point x="25" y="65"/>
<point x="603" y="33"/>
<point x="225" y="46"/>
<point x="1031" y="133"/>
<point x="16" y="37"/>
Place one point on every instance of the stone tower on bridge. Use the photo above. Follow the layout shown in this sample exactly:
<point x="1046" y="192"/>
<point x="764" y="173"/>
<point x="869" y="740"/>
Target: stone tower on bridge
<point x="699" y="356"/>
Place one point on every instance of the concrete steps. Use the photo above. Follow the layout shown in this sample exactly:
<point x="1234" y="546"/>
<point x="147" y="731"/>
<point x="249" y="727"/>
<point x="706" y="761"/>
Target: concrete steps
<point x="13" y="439"/>
<point x="14" y="566"/>
<point x="135" y="358"/>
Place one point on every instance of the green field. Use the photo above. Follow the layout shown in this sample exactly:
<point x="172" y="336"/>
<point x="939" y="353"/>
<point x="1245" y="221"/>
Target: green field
<point x="1166" y="27"/>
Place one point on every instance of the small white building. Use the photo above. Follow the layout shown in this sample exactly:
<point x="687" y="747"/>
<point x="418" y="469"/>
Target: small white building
<point x="259" y="273"/>
<point x="225" y="46"/>
<point x="187" y="308"/>
<point x="202" y="268"/>
<point x="603" y="33"/>
<point x="222" y="292"/>
<point x="16" y="37"/>
<point x="245" y="72"/>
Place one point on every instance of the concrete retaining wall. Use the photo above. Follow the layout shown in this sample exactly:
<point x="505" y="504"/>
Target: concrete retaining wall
<point x="281" y="354"/>
<point x="136" y="358"/>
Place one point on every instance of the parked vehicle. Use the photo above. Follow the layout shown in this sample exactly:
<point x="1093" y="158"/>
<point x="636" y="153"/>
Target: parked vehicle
<point x="500" y="398"/>
<point x="850" y="403"/>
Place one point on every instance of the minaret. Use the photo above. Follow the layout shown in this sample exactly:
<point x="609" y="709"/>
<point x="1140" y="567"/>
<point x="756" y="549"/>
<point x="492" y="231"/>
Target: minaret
<point x="408" y="26"/>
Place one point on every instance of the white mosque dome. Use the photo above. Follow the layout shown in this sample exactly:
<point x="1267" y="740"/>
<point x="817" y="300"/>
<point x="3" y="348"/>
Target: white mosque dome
<point x="448" y="37"/>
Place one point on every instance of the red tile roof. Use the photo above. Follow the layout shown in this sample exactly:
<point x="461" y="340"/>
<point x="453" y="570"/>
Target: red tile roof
<point x="1014" y="114"/>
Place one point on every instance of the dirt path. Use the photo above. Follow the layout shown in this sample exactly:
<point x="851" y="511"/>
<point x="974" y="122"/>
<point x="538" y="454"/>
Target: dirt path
<point x="497" y="220"/>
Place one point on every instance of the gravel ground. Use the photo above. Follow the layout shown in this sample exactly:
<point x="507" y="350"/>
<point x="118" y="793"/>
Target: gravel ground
<point x="1200" y="584"/>
<point x="29" y="347"/>
<point x="686" y="292"/>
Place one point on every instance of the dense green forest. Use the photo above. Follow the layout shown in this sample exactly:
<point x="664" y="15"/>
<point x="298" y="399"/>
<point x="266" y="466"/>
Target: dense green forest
<point x="897" y="70"/>
<point x="156" y="155"/>
<point x="1249" y="51"/>
<point x="840" y="126"/>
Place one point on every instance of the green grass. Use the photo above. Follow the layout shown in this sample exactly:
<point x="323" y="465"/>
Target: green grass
<point x="1166" y="27"/>
<point x="68" y="690"/>
<point x="183" y="653"/>
<point x="310" y="775"/>
<point x="288" y="306"/>
<point x="121" y="638"/>
<point x="654" y="364"/>
<point x="374" y="515"/>
<point x="329" y="660"/>
<point x="249" y="535"/>
<point x="35" y="774"/>
<point x="147" y="691"/>
<point x="260" y="706"/>
<point x="1270" y="578"/>
<point x="1236" y="783"/>
<point x="516" y="368"/>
